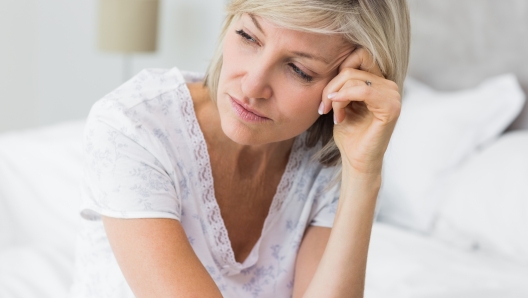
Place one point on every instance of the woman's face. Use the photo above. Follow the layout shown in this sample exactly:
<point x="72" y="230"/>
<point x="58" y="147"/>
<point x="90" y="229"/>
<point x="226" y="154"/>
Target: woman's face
<point x="272" y="79"/>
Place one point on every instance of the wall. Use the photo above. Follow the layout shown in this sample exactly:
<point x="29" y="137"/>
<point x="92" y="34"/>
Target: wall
<point x="457" y="44"/>
<point x="18" y="64"/>
<point x="52" y="71"/>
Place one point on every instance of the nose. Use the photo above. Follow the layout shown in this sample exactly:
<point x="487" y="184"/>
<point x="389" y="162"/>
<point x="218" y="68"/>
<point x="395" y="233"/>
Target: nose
<point x="256" y="81"/>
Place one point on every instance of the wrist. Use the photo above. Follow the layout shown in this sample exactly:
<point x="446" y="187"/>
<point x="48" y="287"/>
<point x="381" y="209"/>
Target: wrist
<point x="370" y="172"/>
<point x="360" y="183"/>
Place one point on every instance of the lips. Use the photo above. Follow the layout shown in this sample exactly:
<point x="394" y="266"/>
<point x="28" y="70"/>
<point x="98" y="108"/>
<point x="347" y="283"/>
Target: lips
<point x="245" y="112"/>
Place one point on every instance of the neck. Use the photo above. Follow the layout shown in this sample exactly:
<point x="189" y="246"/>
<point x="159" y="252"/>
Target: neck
<point x="252" y="160"/>
<point x="244" y="159"/>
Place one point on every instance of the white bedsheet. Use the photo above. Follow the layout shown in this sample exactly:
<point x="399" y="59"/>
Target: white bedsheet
<point x="403" y="264"/>
<point x="35" y="272"/>
<point x="36" y="257"/>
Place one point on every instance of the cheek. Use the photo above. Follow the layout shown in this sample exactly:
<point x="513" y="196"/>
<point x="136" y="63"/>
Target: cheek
<point x="230" y="52"/>
<point x="235" y="56"/>
<point x="300" y="104"/>
<point x="227" y="62"/>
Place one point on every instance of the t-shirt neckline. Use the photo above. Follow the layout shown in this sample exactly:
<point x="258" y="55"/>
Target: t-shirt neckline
<point x="219" y="242"/>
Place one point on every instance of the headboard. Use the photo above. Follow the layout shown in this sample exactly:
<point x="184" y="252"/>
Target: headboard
<point x="458" y="43"/>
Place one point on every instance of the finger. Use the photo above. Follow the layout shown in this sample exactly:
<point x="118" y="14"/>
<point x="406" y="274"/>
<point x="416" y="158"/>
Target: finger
<point x="347" y="78"/>
<point x="361" y="59"/>
<point x="359" y="77"/>
<point x="358" y="65"/>
<point x="339" y="106"/>
<point x="339" y="110"/>
<point x="386" y="103"/>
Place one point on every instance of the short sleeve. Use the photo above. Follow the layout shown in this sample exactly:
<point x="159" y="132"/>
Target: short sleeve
<point x="122" y="178"/>
<point x="326" y="200"/>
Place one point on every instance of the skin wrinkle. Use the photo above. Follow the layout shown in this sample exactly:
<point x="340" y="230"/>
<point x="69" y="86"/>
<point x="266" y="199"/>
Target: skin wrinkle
<point x="296" y="53"/>
<point x="250" y="158"/>
<point x="332" y="65"/>
<point x="267" y="67"/>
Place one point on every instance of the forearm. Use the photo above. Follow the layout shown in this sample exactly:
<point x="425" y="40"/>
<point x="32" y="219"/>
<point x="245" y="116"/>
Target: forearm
<point x="341" y="272"/>
<point x="156" y="258"/>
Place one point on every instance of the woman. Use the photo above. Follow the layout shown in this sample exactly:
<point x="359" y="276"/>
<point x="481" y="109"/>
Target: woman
<point x="296" y="112"/>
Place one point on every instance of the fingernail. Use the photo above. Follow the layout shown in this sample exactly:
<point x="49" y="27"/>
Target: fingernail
<point x="332" y="95"/>
<point x="335" y="119"/>
<point x="321" y="108"/>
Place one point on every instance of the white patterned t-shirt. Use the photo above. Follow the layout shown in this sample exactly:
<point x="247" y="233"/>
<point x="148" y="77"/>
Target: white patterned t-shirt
<point x="146" y="157"/>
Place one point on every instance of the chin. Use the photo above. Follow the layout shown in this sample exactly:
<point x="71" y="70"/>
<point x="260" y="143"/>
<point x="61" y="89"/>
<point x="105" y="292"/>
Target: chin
<point x="242" y="134"/>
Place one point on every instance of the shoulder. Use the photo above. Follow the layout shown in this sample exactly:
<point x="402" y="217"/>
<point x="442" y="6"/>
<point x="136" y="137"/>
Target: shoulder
<point x="147" y="85"/>
<point x="150" y="109"/>
<point x="151" y="97"/>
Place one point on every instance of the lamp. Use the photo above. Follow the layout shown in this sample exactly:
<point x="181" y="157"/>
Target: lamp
<point x="127" y="27"/>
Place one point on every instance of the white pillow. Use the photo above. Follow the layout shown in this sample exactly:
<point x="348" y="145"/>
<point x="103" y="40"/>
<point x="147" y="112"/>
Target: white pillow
<point x="6" y="223"/>
<point x="486" y="201"/>
<point x="39" y="180"/>
<point x="435" y="132"/>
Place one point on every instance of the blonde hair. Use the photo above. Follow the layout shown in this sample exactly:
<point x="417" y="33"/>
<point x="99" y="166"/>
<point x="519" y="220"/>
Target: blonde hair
<point x="382" y="27"/>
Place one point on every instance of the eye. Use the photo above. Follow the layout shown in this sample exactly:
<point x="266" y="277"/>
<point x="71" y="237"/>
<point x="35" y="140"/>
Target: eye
<point x="246" y="36"/>
<point x="300" y="73"/>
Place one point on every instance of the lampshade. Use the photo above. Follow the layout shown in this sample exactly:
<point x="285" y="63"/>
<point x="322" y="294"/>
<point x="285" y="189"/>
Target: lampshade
<point x="128" y="26"/>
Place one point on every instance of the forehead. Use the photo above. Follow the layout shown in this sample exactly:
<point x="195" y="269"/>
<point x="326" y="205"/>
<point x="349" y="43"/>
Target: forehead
<point x="298" y="37"/>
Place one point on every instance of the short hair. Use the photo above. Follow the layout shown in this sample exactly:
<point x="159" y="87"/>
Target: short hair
<point x="382" y="27"/>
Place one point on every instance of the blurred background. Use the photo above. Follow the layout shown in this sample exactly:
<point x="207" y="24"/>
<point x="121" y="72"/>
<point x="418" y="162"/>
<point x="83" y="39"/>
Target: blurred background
<point x="453" y="208"/>
<point x="51" y="68"/>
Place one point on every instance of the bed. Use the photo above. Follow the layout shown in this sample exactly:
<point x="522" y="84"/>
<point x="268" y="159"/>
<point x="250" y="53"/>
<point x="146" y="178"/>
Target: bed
<point x="452" y="215"/>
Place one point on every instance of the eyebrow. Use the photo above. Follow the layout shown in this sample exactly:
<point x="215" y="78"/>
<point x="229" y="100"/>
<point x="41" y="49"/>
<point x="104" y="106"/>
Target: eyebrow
<point x="300" y="54"/>
<point x="310" y="56"/>
<point x="257" y="24"/>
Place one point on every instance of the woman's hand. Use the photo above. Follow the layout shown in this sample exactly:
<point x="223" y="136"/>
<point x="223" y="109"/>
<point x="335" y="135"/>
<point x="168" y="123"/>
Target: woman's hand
<point x="366" y="107"/>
